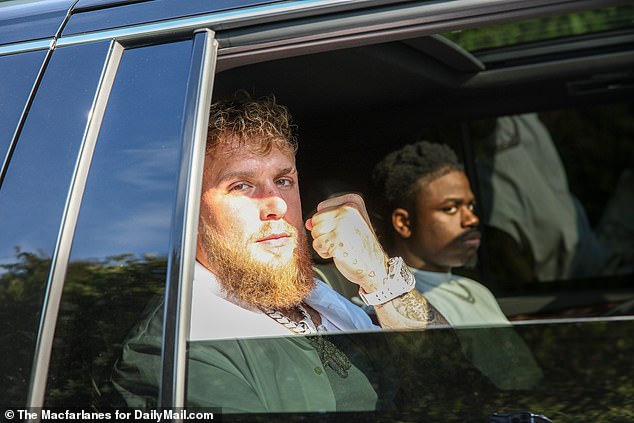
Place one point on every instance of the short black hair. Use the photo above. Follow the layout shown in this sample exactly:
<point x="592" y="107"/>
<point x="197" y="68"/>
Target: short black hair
<point x="394" y="178"/>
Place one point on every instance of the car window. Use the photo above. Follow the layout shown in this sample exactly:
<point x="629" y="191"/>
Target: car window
<point x="15" y="92"/>
<point x="418" y="93"/>
<point x="423" y="376"/>
<point x="118" y="263"/>
<point x="376" y="99"/>
<point x="32" y="201"/>
<point x="569" y="222"/>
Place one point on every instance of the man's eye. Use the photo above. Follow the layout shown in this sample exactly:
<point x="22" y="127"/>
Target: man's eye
<point x="284" y="182"/>
<point x="242" y="186"/>
<point x="450" y="210"/>
<point x="471" y="206"/>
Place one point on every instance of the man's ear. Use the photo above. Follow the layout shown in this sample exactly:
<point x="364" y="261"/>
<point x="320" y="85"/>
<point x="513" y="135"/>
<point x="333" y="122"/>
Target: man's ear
<point x="401" y="223"/>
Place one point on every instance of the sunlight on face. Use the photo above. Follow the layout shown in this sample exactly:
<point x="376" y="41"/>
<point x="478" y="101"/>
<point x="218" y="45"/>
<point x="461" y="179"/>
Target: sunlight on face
<point x="254" y="198"/>
<point x="251" y="231"/>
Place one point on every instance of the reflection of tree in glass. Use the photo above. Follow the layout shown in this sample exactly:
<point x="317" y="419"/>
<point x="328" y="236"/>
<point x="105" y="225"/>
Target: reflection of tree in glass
<point x="101" y="301"/>
<point x="587" y="375"/>
<point x="21" y="291"/>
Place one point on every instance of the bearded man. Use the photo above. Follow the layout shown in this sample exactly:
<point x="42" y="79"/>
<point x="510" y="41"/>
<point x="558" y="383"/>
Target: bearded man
<point x="253" y="286"/>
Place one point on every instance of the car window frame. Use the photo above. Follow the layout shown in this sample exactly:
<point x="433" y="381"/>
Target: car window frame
<point x="184" y="223"/>
<point x="218" y="56"/>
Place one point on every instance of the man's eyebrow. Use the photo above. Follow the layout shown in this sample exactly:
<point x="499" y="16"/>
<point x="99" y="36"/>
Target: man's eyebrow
<point x="458" y="200"/>
<point x="453" y="200"/>
<point x="287" y="170"/>
<point x="242" y="174"/>
<point x="247" y="174"/>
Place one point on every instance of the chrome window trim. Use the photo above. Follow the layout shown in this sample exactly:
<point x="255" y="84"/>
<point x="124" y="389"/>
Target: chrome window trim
<point x="216" y="21"/>
<point x="27" y="46"/>
<point x="386" y="18"/>
<point x="61" y="257"/>
<point x="185" y="229"/>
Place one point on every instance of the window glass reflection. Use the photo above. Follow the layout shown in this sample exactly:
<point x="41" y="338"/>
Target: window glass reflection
<point x="14" y="91"/>
<point x="118" y="261"/>
<point x="32" y="200"/>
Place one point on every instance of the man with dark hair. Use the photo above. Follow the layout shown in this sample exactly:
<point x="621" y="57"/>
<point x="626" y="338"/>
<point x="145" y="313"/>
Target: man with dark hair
<point x="428" y="219"/>
<point x="253" y="279"/>
<point x="431" y="236"/>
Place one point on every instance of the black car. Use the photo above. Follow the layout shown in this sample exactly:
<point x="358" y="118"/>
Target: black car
<point x="103" y="117"/>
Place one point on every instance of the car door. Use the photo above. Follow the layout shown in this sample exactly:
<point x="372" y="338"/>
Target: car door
<point x="94" y="204"/>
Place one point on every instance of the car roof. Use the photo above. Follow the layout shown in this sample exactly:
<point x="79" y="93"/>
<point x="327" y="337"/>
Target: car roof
<point x="98" y="15"/>
<point x="25" y="20"/>
<point x="463" y="82"/>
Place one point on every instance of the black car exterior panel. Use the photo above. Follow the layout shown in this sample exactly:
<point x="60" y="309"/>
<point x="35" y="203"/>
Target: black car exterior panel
<point x="32" y="20"/>
<point x="145" y="12"/>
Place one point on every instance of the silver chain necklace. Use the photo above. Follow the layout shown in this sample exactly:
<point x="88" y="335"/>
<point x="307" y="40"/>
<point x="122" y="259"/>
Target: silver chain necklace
<point x="328" y="353"/>
<point x="303" y="327"/>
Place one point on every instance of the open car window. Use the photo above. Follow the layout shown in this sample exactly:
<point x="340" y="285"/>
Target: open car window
<point x="557" y="138"/>
<point x="544" y="145"/>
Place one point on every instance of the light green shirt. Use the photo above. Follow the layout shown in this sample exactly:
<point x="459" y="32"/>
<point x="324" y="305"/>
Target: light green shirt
<point x="486" y="336"/>
<point x="462" y="301"/>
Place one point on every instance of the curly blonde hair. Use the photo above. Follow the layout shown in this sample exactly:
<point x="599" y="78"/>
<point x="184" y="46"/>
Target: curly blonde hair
<point x="256" y="124"/>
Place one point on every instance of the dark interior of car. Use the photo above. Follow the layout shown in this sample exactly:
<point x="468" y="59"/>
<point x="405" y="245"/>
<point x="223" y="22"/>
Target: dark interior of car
<point x="353" y="105"/>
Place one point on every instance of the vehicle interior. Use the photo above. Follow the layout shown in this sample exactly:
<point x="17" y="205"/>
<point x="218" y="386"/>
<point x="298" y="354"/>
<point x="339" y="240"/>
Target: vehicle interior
<point x="358" y="89"/>
<point x="353" y="105"/>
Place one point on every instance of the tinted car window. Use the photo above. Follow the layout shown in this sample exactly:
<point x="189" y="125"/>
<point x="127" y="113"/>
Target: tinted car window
<point x="32" y="199"/>
<point x="570" y="221"/>
<point x="118" y="261"/>
<point x="18" y="73"/>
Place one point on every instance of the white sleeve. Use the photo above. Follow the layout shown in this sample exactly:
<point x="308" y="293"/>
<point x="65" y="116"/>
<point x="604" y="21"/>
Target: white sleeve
<point x="339" y="311"/>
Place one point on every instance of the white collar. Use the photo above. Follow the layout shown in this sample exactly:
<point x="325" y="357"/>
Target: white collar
<point x="211" y="304"/>
<point x="433" y="278"/>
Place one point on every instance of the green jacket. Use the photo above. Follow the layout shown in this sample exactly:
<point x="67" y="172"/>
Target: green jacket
<point x="281" y="374"/>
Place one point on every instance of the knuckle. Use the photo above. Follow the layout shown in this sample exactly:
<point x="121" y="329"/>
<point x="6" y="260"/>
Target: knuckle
<point x="352" y="197"/>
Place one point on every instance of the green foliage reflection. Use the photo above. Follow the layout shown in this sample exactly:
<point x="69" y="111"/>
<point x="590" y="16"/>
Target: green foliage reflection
<point x="101" y="301"/>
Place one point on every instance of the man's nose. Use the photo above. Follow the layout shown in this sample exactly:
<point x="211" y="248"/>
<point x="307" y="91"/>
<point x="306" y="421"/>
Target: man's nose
<point x="273" y="207"/>
<point x="469" y="218"/>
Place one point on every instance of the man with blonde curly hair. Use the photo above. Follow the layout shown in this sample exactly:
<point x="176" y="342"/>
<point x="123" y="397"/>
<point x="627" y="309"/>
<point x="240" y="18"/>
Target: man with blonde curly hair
<point x="254" y="292"/>
<point x="252" y="241"/>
